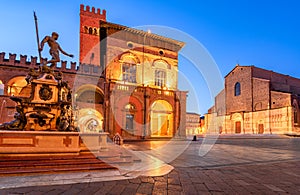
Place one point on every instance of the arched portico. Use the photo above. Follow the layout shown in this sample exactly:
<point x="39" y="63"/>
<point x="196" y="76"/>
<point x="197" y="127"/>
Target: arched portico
<point x="161" y="119"/>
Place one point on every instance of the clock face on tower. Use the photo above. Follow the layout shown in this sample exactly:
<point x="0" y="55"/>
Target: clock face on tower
<point x="45" y="92"/>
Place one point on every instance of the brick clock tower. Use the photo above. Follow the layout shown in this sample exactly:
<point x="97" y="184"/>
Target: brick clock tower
<point x="89" y="34"/>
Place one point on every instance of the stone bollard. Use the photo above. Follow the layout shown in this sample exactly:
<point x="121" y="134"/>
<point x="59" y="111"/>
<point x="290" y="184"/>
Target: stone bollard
<point x="194" y="138"/>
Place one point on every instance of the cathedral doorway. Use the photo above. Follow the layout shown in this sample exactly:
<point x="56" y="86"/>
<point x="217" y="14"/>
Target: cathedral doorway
<point x="238" y="127"/>
<point x="260" y="128"/>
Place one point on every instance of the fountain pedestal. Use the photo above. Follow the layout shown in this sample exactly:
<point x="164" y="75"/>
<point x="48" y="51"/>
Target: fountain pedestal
<point x="42" y="143"/>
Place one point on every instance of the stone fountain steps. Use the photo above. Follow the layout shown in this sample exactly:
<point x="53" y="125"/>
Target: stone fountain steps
<point x="108" y="158"/>
<point x="38" y="165"/>
<point x="117" y="156"/>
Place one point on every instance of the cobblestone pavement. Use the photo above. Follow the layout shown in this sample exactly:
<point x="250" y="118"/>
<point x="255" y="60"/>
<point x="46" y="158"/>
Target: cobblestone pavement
<point x="266" y="165"/>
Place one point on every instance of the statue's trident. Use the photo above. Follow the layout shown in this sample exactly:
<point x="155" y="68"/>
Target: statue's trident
<point x="37" y="36"/>
<point x="52" y="43"/>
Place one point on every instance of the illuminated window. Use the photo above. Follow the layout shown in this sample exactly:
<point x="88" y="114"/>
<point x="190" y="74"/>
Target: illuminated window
<point x="129" y="116"/>
<point x="15" y="85"/>
<point x="129" y="107"/>
<point x="237" y="89"/>
<point x="128" y="62"/>
<point x="129" y="121"/>
<point x="1" y="88"/>
<point x="160" y="78"/>
<point x="129" y="72"/>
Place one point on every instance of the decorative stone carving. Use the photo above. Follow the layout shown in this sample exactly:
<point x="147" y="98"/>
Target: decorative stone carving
<point x="45" y="92"/>
<point x="49" y="106"/>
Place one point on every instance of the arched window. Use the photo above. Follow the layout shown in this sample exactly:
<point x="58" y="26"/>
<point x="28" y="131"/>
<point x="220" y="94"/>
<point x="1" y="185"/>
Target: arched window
<point x="129" y="116"/>
<point x="162" y="69"/>
<point x="237" y="89"/>
<point x="128" y="68"/>
<point x="1" y="88"/>
<point x="160" y="78"/>
<point x="86" y="29"/>
<point x="89" y="94"/>
<point x="90" y="30"/>
<point x="95" y="31"/>
<point x="295" y="110"/>
<point x="15" y="86"/>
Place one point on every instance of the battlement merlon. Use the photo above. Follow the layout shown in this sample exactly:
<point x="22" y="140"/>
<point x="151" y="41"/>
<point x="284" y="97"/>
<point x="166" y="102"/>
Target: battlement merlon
<point x="13" y="62"/>
<point x="92" y="12"/>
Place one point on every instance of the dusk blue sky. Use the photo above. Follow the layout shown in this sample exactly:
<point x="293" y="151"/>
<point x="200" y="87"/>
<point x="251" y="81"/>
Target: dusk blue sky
<point x="263" y="33"/>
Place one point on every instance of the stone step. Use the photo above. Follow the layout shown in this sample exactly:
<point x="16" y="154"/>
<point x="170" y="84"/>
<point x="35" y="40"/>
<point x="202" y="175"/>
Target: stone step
<point x="43" y="163"/>
<point x="51" y="157"/>
<point x="38" y="164"/>
<point x="117" y="155"/>
<point x="52" y="169"/>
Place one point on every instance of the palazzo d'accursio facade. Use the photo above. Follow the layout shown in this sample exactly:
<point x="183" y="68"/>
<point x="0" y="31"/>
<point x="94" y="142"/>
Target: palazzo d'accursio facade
<point x="126" y="80"/>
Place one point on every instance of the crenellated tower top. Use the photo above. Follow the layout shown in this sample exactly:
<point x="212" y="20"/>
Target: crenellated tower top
<point x="89" y="34"/>
<point x="92" y="12"/>
<point x="23" y="62"/>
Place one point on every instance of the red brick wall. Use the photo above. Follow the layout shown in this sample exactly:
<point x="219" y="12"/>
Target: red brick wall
<point x="279" y="99"/>
<point x="89" y="19"/>
<point x="279" y="82"/>
<point x="243" y="102"/>
<point x="261" y="94"/>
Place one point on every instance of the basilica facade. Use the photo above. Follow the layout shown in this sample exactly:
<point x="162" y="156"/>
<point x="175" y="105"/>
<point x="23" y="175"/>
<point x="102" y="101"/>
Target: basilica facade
<point x="125" y="83"/>
<point x="255" y="101"/>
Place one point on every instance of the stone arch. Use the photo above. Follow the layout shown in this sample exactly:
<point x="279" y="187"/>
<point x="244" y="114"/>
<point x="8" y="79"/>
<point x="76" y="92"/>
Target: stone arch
<point x="129" y="57"/>
<point x="161" y="119"/>
<point x="160" y="63"/>
<point x="15" y="85"/>
<point x="89" y="101"/>
<point x="128" y="64"/>
<point x="123" y="113"/>
<point x="237" y="123"/>
<point x="165" y="99"/>
<point x="258" y="106"/>
<point x="90" y="120"/>
<point x="89" y="94"/>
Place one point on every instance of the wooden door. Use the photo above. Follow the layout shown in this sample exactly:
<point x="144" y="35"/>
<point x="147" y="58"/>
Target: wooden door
<point x="238" y="127"/>
<point x="260" y="128"/>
